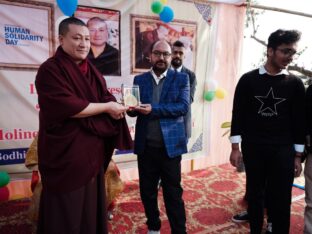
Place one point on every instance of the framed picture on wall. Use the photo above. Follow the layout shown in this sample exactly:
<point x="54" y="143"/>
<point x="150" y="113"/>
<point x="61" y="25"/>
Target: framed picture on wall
<point x="104" y="27"/>
<point x="145" y="30"/>
<point x="26" y="34"/>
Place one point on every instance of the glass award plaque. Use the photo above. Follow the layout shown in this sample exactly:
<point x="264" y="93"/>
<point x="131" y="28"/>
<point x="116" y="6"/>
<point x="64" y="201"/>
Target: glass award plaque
<point x="130" y="95"/>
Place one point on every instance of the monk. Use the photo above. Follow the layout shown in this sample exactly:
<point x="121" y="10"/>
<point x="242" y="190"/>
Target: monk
<point x="80" y="125"/>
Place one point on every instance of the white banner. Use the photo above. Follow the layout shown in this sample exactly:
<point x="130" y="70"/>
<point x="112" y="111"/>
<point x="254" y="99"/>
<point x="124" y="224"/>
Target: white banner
<point x="29" y="30"/>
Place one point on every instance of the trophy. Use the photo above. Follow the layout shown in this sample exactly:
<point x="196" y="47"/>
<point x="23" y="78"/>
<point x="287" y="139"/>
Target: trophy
<point x="130" y="95"/>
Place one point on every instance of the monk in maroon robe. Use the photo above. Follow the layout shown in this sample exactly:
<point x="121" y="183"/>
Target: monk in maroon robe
<point x="80" y="126"/>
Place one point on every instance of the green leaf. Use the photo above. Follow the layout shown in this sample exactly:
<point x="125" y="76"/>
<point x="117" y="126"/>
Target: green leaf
<point x="226" y="125"/>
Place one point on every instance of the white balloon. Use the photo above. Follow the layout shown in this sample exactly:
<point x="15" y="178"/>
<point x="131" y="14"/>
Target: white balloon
<point x="212" y="85"/>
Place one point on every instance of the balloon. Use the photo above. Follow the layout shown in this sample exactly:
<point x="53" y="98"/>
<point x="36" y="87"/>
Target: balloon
<point x="68" y="7"/>
<point x="209" y="96"/>
<point x="4" y="194"/>
<point x="4" y="178"/>
<point x="212" y="85"/>
<point x="157" y="7"/>
<point x="163" y="1"/>
<point x="166" y="15"/>
<point x="221" y="93"/>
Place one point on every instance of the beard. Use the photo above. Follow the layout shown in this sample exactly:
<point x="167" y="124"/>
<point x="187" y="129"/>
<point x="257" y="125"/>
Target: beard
<point x="176" y="62"/>
<point x="160" y="67"/>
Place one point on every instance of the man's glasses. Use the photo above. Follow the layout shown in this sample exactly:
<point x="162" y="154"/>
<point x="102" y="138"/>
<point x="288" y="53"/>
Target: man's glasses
<point x="159" y="54"/>
<point x="287" y="51"/>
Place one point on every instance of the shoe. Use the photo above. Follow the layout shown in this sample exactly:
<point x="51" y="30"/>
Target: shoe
<point x="110" y="215"/>
<point x="159" y="184"/>
<point x="153" y="232"/>
<point x="269" y="228"/>
<point x="241" y="217"/>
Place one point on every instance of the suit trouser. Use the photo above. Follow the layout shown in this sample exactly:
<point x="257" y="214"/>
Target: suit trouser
<point x="270" y="169"/>
<point x="153" y="165"/>
<point x="308" y="195"/>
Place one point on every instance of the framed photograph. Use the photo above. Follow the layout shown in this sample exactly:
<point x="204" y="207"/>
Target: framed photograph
<point x="145" y="30"/>
<point x="104" y="27"/>
<point x="26" y="34"/>
<point x="130" y="95"/>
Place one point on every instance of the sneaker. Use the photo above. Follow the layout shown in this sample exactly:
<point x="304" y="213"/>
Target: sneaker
<point x="110" y="215"/>
<point x="159" y="184"/>
<point x="241" y="217"/>
<point x="269" y="228"/>
<point x="153" y="232"/>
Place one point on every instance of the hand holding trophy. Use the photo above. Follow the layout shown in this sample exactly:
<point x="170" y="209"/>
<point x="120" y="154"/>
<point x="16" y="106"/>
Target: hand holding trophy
<point x="130" y="95"/>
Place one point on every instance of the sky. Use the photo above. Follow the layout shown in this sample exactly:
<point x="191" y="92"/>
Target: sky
<point x="270" y="21"/>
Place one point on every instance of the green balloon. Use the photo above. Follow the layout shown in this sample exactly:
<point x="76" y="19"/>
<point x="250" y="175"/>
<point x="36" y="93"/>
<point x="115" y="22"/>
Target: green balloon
<point x="157" y="7"/>
<point x="4" y="178"/>
<point x="209" y="95"/>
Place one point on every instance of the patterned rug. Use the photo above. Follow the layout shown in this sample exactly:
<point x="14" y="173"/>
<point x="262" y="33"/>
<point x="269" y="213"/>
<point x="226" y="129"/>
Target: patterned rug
<point x="211" y="197"/>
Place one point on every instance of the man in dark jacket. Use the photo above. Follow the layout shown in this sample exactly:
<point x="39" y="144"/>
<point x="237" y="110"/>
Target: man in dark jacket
<point x="160" y="138"/>
<point x="178" y="56"/>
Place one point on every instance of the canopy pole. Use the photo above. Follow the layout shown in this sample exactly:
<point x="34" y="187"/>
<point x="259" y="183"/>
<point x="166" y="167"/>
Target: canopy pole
<point x="252" y="5"/>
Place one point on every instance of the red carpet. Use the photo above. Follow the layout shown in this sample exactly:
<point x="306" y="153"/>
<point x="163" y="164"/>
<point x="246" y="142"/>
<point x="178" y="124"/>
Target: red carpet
<point x="211" y="197"/>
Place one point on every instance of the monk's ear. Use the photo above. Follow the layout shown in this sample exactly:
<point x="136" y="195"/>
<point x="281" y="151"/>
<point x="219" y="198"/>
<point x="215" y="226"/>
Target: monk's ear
<point x="61" y="38"/>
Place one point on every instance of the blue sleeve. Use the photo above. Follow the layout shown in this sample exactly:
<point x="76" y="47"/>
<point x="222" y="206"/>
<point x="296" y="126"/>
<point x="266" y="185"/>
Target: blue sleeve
<point x="178" y="106"/>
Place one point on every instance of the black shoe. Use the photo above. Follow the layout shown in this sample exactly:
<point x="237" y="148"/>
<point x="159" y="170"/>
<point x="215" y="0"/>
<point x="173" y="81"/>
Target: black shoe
<point x="241" y="217"/>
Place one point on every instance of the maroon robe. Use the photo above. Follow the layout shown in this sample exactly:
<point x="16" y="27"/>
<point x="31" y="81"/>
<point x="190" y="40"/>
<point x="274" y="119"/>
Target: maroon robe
<point x="71" y="151"/>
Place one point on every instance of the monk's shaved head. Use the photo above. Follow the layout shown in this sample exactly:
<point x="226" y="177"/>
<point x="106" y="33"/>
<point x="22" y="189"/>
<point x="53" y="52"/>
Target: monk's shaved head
<point x="63" y="27"/>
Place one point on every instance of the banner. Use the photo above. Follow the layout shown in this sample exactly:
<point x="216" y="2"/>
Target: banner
<point x="28" y="37"/>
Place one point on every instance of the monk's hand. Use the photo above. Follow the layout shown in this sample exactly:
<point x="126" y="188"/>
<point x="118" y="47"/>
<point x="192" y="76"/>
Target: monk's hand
<point x="116" y="110"/>
<point x="144" y="109"/>
<point x="235" y="157"/>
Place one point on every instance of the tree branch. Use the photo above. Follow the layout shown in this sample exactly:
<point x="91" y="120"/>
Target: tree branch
<point x="300" y="70"/>
<point x="251" y="5"/>
<point x="258" y="40"/>
<point x="252" y="13"/>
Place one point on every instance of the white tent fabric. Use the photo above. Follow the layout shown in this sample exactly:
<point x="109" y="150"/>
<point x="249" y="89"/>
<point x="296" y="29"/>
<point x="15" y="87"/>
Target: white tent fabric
<point x="217" y="49"/>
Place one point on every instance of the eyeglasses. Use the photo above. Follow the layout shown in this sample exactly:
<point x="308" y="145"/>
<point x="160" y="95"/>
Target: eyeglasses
<point x="180" y="53"/>
<point x="287" y="51"/>
<point x="159" y="54"/>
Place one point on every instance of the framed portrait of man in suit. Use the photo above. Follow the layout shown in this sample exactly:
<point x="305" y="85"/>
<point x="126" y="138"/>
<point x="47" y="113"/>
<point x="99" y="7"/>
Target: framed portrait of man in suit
<point x="145" y="30"/>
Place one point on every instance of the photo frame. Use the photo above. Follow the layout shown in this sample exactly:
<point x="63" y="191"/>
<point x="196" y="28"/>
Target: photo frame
<point x="130" y="95"/>
<point x="104" y="27"/>
<point x="26" y="34"/>
<point x="145" y="30"/>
